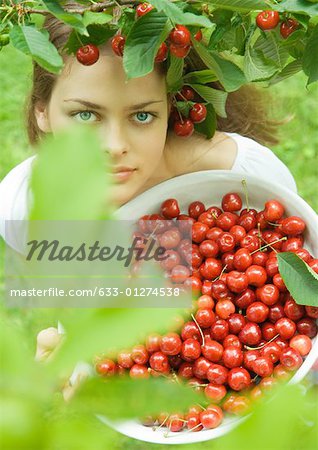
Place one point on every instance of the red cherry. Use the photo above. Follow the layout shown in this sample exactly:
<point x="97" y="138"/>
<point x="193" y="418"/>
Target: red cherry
<point x="175" y="422"/>
<point x="172" y="260"/>
<point x="139" y="371"/>
<point x="291" y="358"/>
<point x="256" y="275"/>
<point x="139" y="354"/>
<point x="268" y="294"/>
<point x="232" y="340"/>
<point x="198" y="113"/>
<point x="250" y="334"/>
<point x="267" y="20"/>
<point x="272" y="351"/>
<point x="195" y="209"/>
<point x="215" y="392"/>
<point x="143" y="8"/>
<point x="198" y="36"/>
<point x="231" y="202"/>
<point x="238" y="232"/>
<point x="186" y="370"/>
<point x="249" y="357"/>
<point x="170" y="208"/>
<point x="206" y="218"/>
<point x="211" y="268"/>
<point x="118" y="44"/>
<point x="239" y="379"/>
<point x="292" y="310"/>
<point x="257" y="312"/>
<point x="226" y="221"/>
<point x="236" y="281"/>
<point x="212" y="350"/>
<point x="307" y="326"/>
<point x="217" y="374"/>
<point x="242" y="259"/>
<point x="285" y="327"/>
<point x="219" y="330"/>
<point x="87" y="55"/>
<point x="210" y="419"/>
<point x="124" y="359"/>
<point x="186" y="93"/>
<point x="302" y="343"/>
<point x="293" y="226"/>
<point x="312" y="311"/>
<point x="153" y="342"/>
<point x="106" y="367"/>
<point x="245" y="299"/>
<point x="263" y="366"/>
<point x="190" y="330"/>
<point x="179" y="51"/>
<point x="159" y="362"/>
<point x="184" y="128"/>
<point x="200" y="367"/>
<point x="273" y="211"/>
<point x="191" y="350"/>
<point x="180" y="35"/>
<point x="193" y="422"/>
<point x="162" y="53"/>
<point x="224" y="308"/>
<point x="232" y="357"/>
<point x="209" y="248"/>
<point x="205" y="317"/>
<point x="171" y="344"/>
<point x="226" y="242"/>
<point x="236" y="322"/>
<point x="288" y="27"/>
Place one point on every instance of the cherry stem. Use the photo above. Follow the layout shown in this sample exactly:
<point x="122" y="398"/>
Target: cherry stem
<point x="246" y="194"/>
<point x="269" y="245"/>
<point x="223" y="270"/>
<point x="202" y="335"/>
<point x="261" y="346"/>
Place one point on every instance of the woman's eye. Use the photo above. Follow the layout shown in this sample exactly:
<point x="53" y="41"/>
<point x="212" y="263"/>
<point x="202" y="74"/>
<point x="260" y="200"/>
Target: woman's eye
<point x="144" y="117"/>
<point x="85" y="116"/>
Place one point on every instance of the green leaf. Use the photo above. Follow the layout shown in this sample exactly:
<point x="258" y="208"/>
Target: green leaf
<point x="98" y="35"/>
<point x="72" y="19"/>
<point x="298" y="6"/>
<point x="143" y="42"/>
<point x="310" y="61"/>
<point x="269" y="45"/>
<point x="290" y="69"/>
<point x="174" y="74"/>
<point x="106" y="330"/>
<point x="208" y="126"/>
<point x="76" y="156"/>
<point x="240" y="5"/>
<point x="214" y="96"/>
<point x="256" y="66"/>
<point x="200" y="76"/>
<point x="32" y="42"/>
<point x="136" y="399"/>
<point x="299" y="278"/>
<point x="176" y="15"/>
<point x="90" y="18"/>
<point x="184" y="107"/>
<point x="229" y="75"/>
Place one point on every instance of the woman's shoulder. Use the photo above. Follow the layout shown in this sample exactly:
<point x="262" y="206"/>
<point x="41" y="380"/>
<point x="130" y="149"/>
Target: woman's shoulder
<point x="14" y="193"/>
<point x="258" y="160"/>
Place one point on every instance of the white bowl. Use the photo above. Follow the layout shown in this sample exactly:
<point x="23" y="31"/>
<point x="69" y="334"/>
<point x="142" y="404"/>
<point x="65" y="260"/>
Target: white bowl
<point x="209" y="187"/>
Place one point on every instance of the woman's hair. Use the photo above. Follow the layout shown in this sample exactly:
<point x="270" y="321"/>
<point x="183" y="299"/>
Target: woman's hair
<point x="246" y="109"/>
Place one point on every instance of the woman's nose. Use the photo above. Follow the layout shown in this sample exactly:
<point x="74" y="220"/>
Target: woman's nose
<point x="114" y="141"/>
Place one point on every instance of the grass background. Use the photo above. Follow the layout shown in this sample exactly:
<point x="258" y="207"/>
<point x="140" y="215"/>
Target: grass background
<point x="298" y="149"/>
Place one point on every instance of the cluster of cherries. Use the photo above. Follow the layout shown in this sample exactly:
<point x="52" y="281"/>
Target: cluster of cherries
<point x="246" y="332"/>
<point x="184" y="126"/>
<point x="179" y="42"/>
<point x="268" y="20"/>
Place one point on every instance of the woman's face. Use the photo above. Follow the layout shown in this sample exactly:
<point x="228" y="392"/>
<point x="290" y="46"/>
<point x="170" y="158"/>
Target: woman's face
<point x="131" y="117"/>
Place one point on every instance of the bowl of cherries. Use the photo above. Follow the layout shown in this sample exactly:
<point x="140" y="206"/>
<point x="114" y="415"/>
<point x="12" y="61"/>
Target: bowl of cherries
<point x="246" y="332"/>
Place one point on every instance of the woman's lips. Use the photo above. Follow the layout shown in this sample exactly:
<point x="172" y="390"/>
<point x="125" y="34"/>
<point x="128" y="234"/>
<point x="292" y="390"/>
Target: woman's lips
<point x="123" y="173"/>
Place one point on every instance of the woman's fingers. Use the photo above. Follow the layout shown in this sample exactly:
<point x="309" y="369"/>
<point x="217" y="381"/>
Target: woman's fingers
<point x="48" y="340"/>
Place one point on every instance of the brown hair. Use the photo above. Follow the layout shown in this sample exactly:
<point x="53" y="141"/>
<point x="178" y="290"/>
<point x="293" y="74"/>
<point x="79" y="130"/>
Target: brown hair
<point x="246" y="109"/>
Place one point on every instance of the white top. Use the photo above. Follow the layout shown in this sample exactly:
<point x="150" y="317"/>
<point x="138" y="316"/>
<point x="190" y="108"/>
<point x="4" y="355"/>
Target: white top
<point x="252" y="158"/>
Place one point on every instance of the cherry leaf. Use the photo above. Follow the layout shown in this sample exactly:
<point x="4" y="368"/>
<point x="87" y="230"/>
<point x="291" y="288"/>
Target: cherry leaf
<point x="299" y="278"/>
